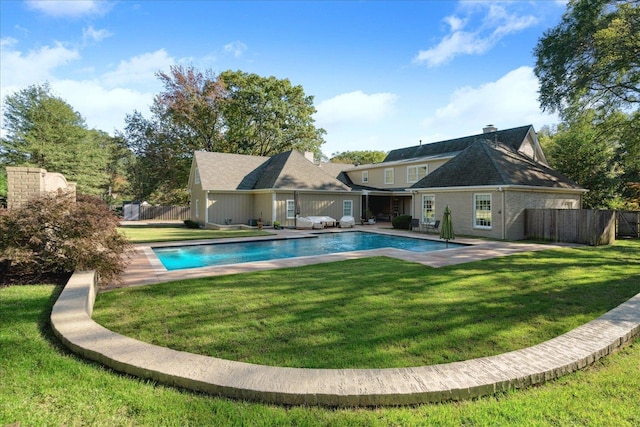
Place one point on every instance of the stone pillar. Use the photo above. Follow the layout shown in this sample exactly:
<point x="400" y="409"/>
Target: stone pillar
<point x="24" y="183"/>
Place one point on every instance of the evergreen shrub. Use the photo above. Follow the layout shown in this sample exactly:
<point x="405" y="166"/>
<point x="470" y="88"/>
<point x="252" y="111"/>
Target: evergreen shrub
<point x="402" y="222"/>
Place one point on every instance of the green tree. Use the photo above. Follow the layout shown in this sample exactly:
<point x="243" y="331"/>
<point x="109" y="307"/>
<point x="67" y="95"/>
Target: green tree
<point x="3" y="182"/>
<point x="586" y="151"/>
<point x="235" y="112"/>
<point x="359" y="157"/>
<point x="592" y="58"/>
<point x="589" y="71"/>
<point x="44" y="131"/>
<point x="266" y="116"/>
<point x="162" y="157"/>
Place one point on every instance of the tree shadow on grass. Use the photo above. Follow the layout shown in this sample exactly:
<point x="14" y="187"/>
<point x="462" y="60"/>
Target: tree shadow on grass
<point x="363" y="314"/>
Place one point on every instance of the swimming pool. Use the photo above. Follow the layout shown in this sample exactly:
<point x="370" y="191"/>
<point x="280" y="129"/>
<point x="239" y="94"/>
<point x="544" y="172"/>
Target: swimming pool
<point x="182" y="257"/>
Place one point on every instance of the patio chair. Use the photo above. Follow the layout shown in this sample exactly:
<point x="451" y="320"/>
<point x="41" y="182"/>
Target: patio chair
<point x="433" y="226"/>
<point x="415" y="223"/>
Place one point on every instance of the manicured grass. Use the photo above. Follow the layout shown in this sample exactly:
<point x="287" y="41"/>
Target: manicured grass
<point x="379" y="312"/>
<point x="166" y="233"/>
<point x="42" y="384"/>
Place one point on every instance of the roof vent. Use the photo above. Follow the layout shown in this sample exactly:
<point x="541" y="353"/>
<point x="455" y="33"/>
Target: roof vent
<point x="489" y="129"/>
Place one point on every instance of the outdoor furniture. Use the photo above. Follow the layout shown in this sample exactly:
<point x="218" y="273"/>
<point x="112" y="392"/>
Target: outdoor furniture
<point x="303" y="223"/>
<point x="347" y="222"/>
<point x="415" y="223"/>
<point x="325" y="221"/>
<point x="432" y="226"/>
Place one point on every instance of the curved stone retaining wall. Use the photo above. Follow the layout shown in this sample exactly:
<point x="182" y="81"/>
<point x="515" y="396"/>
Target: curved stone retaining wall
<point x="72" y="323"/>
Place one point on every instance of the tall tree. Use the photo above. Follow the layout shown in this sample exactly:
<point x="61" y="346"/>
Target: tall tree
<point x="586" y="152"/>
<point x="44" y="131"/>
<point x="191" y="100"/>
<point x="234" y="112"/>
<point x="589" y="71"/>
<point x="359" y="157"/>
<point x="592" y="58"/>
<point x="266" y="116"/>
<point x="162" y="156"/>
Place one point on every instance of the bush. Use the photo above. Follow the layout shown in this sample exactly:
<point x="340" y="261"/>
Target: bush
<point x="191" y="224"/>
<point x="52" y="236"/>
<point x="402" y="222"/>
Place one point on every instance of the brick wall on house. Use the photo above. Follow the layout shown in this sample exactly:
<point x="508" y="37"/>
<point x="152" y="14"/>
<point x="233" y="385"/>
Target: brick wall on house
<point x="24" y="183"/>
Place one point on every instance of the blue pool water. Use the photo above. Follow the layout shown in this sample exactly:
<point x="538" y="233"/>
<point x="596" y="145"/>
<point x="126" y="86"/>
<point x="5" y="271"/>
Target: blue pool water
<point x="176" y="258"/>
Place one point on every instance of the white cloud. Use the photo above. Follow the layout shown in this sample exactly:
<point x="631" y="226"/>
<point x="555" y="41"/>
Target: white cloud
<point x="70" y="9"/>
<point x="354" y="108"/>
<point x="90" y="34"/>
<point x="495" y="24"/>
<point x="139" y="69"/>
<point x="236" y="48"/>
<point x="19" y="70"/>
<point x="102" y="108"/>
<point x="103" y="101"/>
<point x="459" y="42"/>
<point x="508" y="102"/>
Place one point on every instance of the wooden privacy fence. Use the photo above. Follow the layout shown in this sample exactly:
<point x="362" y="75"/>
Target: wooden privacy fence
<point x="590" y="227"/>
<point x="628" y="224"/>
<point x="137" y="212"/>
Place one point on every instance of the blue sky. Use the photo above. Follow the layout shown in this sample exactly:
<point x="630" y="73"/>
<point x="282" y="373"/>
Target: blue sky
<point x="383" y="74"/>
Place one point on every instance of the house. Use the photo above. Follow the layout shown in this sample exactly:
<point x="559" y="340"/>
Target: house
<point x="240" y="189"/>
<point x="487" y="180"/>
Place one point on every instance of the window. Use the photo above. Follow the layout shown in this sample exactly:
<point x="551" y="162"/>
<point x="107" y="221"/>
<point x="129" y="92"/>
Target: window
<point x="428" y="208"/>
<point x="196" y="177"/>
<point x="365" y="177"/>
<point x="197" y="208"/>
<point x="291" y="209"/>
<point x="482" y="210"/>
<point x="388" y="176"/>
<point x="416" y="173"/>
<point x="347" y="208"/>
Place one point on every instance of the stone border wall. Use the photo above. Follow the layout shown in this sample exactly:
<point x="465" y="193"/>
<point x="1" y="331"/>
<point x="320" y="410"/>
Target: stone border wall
<point x="72" y="323"/>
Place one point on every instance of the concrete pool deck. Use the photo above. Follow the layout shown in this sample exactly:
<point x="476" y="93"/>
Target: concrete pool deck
<point x="72" y="323"/>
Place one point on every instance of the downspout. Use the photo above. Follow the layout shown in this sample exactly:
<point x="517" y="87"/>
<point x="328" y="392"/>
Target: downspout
<point x="504" y="214"/>
<point x="273" y="207"/>
<point x="206" y="208"/>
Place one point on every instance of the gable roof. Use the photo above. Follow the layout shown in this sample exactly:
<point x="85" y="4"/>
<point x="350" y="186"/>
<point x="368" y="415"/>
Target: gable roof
<point x="223" y="171"/>
<point x="288" y="170"/>
<point x="512" y="138"/>
<point x="292" y="170"/>
<point x="488" y="163"/>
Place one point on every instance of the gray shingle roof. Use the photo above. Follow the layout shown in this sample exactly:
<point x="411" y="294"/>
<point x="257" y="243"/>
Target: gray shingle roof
<point x="223" y="171"/>
<point x="510" y="137"/>
<point x="288" y="170"/>
<point x="489" y="163"/>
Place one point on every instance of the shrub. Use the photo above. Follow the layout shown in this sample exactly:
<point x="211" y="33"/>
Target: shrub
<point x="52" y="236"/>
<point x="402" y="222"/>
<point x="191" y="224"/>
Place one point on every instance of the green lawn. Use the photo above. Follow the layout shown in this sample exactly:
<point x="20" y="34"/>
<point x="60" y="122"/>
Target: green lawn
<point x="379" y="312"/>
<point x="165" y="233"/>
<point x="42" y="383"/>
